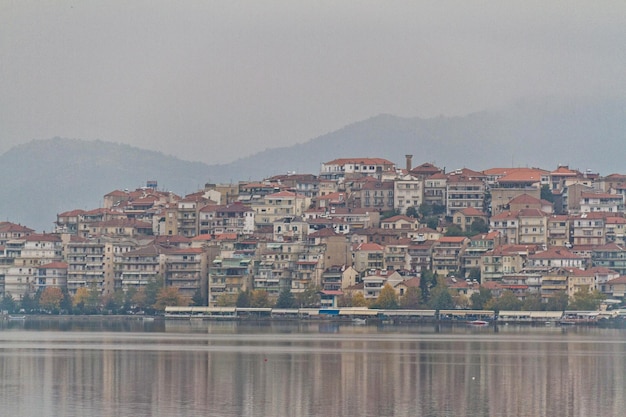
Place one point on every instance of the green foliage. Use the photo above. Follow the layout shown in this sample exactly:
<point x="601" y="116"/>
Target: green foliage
<point x="387" y="299"/>
<point x="441" y="297"/>
<point x="389" y="213"/>
<point x="474" y="274"/>
<point x="480" y="298"/>
<point x="454" y="230"/>
<point x="152" y="289"/>
<point x="29" y="304"/>
<point x="507" y="301"/>
<point x="586" y="300"/>
<point x="558" y="302"/>
<point x="479" y="226"/>
<point x="286" y="299"/>
<point x="198" y="298"/>
<point x="243" y="299"/>
<point x="310" y="297"/>
<point x="425" y="210"/>
<point x="432" y="222"/>
<point x="412" y="212"/>
<point x="546" y="193"/>
<point x="533" y="302"/>
<point x="8" y="304"/>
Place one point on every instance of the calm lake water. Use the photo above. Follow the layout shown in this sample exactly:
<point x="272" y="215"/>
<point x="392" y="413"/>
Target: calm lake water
<point x="134" y="368"/>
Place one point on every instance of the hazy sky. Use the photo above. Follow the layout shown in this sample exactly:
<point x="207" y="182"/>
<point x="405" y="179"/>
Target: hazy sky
<point x="217" y="80"/>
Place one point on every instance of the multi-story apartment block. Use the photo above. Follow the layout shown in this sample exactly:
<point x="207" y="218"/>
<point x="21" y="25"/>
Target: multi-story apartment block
<point x="53" y="274"/>
<point x="187" y="215"/>
<point x="558" y="230"/>
<point x="588" y="229"/>
<point x="372" y="194"/>
<point x="279" y="205"/>
<point x="507" y="224"/>
<point x="141" y="266"/>
<point x="478" y="246"/>
<point x="231" y="218"/>
<point x="368" y="257"/>
<point x="447" y="254"/>
<point x="555" y="258"/>
<point x="420" y="253"/>
<point x="553" y="281"/>
<point x="435" y="189"/>
<point x="504" y="260"/>
<point x="533" y="227"/>
<point x="356" y="167"/>
<point x="615" y="230"/>
<point x="466" y="217"/>
<point x="407" y="192"/>
<point x="604" y="202"/>
<point x="465" y="188"/>
<point x="85" y="264"/>
<point x="186" y="270"/>
<point x="397" y="255"/>
<point x="611" y="256"/>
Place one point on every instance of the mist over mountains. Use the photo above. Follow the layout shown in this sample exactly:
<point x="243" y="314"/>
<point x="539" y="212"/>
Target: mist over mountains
<point x="46" y="177"/>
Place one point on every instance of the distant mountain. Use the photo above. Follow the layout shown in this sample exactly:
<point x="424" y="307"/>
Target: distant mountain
<point x="45" y="177"/>
<point x="542" y="133"/>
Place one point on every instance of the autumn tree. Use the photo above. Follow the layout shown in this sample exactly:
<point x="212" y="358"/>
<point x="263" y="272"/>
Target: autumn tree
<point x="585" y="300"/>
<point x="51" y="299"/>
<point x="411" y="299"/>
<point x="387" y="299"/>
<point x="169" y="296"/>
<point x="259" y="299"/>
<point x="358" y="300"/>
<point x="558" y="301"/>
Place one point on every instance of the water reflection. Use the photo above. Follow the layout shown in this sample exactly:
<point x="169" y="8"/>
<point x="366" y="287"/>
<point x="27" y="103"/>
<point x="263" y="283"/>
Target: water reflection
<point x="277" y="369"/>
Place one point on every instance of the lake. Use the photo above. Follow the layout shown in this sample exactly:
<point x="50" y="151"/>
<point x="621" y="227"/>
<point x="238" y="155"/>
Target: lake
<point x="184" y="368"/>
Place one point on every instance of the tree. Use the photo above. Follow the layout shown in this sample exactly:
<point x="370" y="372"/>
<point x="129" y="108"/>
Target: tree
<point x="51" y="299"/>
<point x="8" y="304"/>
<point x="425" y="210"/>
<point x="259" y="299"/>
<point x="432" y="222"/>
<point x="441" y="297"/>
<point x="532" y="302"/>
<point x="558" y="301"/>
<point x="28" y="303"/>
<point x="507" y="301"/>
<point x="169" y="296"/>
<point x="585" y="300"/>
<point x="114" y="302"/>
<point x="454" y="230"/>
<point x="286" y="299"/>
<point x="546" y="193"/>
<point x="358" y="300"/>
<point x="198" y="299"/>
<point x="461" y="300"/>
<point x="310" y="297"/>
<point x="479" y="226"/>
<point x="152" y="290"/>
<point x="411" y="299"/>
<point x="426" y="283"/>
<point x="243" y="299"/>
<point x="139" y="299"/>
<point x="80" y="299"/>
<point x="412" y="212"/>
<point x="480" y="298"/>
<point x="226" y="300"/>
<point x="387" y="299"/>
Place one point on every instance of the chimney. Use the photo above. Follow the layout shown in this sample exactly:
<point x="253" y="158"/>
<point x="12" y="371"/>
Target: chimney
<point x="408" y="162"/>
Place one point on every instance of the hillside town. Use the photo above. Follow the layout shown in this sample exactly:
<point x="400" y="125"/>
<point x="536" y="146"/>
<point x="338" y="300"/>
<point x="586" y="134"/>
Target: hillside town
<point x="363" y="232"/>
